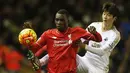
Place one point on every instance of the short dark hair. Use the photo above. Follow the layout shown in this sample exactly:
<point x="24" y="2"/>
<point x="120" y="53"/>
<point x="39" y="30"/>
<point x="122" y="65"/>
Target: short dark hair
<point x="63" y="11"/>
<point x="111" y="8"/>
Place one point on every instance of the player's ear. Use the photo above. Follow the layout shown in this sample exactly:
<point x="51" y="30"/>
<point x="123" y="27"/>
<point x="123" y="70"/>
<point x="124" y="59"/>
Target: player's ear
<point x="69" y="19"/>
<point x="115" y="18"/>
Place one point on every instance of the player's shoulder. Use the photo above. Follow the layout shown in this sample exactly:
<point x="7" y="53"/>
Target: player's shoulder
<point x="115" y="33"/>
<point x="115" y="36"/>
<point x="51" y="30"/>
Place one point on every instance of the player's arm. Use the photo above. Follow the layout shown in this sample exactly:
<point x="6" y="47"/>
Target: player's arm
<point x="34" y="47"/>
<point x="40" y="51"/>
<point x="44" y="60"/>
<point x="93" y="31"/>
<point x="101" y="49"/>
<point x="34" y="60"/>
<point x="37" y="45"/>
<point x="95" y="36"/>
<point x="92" y="34"/>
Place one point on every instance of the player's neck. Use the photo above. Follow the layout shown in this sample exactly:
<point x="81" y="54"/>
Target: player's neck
<point x="106" y="27"/>
<point x="64" y="31"/>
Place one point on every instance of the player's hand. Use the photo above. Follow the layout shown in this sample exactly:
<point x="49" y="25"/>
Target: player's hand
<point x="27" y="24"/>
<point x="92" y="30"/>
<point x="34" y="60"/>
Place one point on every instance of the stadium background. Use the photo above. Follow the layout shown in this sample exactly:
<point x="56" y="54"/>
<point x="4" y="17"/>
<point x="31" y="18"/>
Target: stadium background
<point x="41" y="12"/>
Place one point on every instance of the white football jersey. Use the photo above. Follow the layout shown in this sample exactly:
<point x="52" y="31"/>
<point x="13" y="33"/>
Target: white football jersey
<point x="96" y="59"/>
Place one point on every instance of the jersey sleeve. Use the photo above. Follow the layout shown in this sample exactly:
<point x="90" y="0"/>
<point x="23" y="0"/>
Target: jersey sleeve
<point x="88" y="36"/>
<point x="40" y="51"/>
<point x="97" y="36"/>
<point x="39" y="43"/>
<point x="101" y="49"/>
<point x="81" y="33"/>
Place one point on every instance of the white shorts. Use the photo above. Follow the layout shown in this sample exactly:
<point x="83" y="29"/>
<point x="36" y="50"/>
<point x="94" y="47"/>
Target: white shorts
<point x="84" y="66"/>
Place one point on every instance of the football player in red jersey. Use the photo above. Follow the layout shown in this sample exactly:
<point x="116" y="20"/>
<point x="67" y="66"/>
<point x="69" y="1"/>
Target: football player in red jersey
<point x="61" y="45"/>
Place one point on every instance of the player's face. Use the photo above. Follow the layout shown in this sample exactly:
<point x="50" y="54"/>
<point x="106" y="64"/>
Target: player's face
<point x="108" y="19"/>
<point x="61" y="22"/>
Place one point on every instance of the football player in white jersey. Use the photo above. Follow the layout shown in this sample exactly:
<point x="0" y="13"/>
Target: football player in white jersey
<point x="96" y="59"/>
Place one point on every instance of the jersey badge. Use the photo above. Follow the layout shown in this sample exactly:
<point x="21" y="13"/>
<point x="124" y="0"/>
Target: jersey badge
<point x="106" y="39"/>
<point x="54" y="37"/>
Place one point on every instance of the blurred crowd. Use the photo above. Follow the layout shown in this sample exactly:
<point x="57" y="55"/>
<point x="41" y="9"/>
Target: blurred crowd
<point x="13" y="13"/>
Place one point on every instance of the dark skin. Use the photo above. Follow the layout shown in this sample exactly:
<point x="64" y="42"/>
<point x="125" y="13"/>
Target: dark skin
<point x="61" y="22"/>
<point x="92" y="29"/>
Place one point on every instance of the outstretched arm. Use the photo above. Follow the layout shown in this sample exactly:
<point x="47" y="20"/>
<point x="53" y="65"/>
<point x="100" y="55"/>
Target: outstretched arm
<point x="87" y="35"/>
<point x="93" y="31"/>
<point x="101" y="49"/>
<point x="33" y="60"/>
<point x="93" y="35"/>
<point x="40" y="51"/>
<point x="39" y="43"/>
<point x="32" y="48"/>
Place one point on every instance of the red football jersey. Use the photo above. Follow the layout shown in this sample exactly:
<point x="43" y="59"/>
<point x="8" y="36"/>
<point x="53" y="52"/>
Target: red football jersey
<point x="61" y="48"/>
<point x="40" y="51"/>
